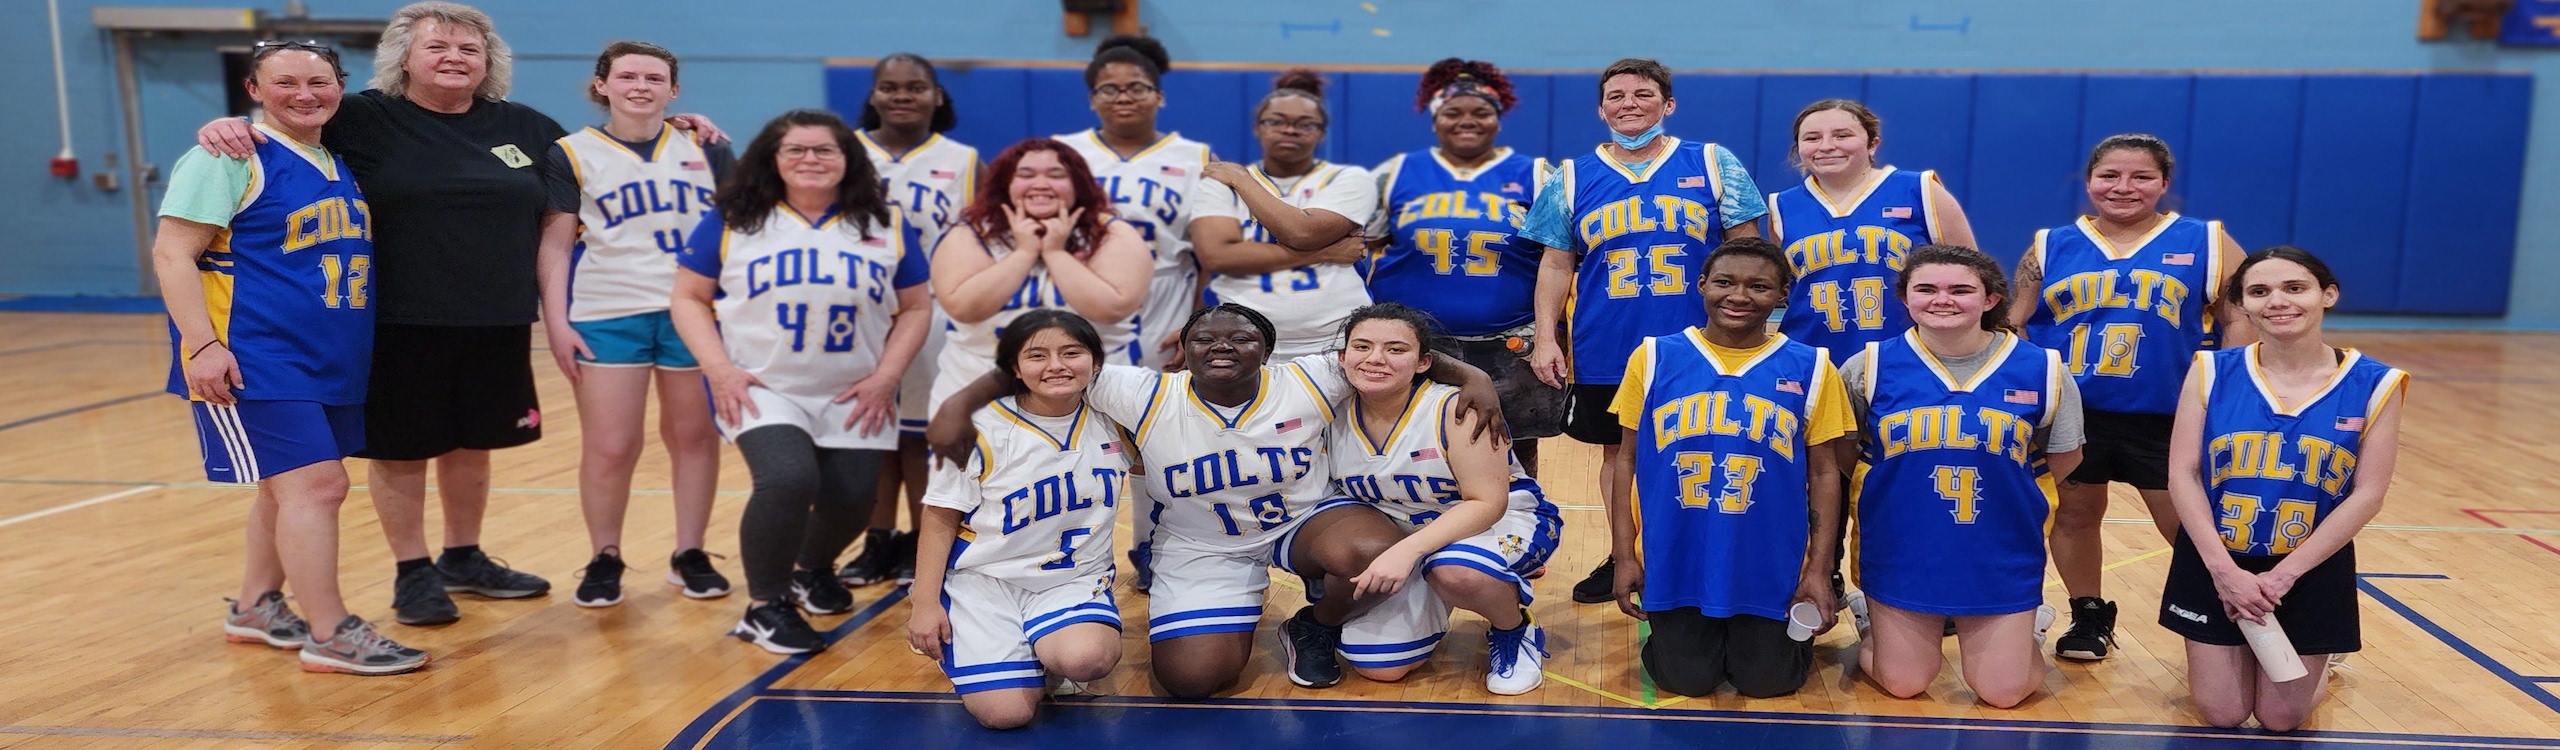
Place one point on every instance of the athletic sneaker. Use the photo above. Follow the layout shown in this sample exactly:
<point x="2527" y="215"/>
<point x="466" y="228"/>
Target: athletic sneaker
<point x="418" y="598"/>
<point x="1310" y="649"/>
<point x="477" y="573"/>
<point x="2044" y="621"/>
<point x="2092" y="633"/>
<point x="903" y="543"/>
<point x="266" y="621"/>
<point x="354" y="648"/>
<point x="600" y="585"/>
<point x="1518" y="658"/>
<point x="777" y="627"/>
<point x="691" y="571"/>
<point x="1061" y="687"/>
<point x="820" y="593"/>
<point x="1142" y="562"/>
<point x="1600" y="586"/>
<point x="872" y="565"/>
<point x="1856" y="602"/>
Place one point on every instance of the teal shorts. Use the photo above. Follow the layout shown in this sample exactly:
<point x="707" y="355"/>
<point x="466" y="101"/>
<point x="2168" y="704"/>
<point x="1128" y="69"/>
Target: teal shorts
<point x="645" y="340"/>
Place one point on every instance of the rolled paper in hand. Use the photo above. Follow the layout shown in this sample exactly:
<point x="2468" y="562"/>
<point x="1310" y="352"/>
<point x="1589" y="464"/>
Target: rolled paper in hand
<point x="2275" y="651"/>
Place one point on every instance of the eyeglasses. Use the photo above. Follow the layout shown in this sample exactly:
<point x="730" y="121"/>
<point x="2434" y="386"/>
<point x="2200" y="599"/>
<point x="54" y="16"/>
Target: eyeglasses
<point x="1133" y="91"/>
<point x="823" y="153"/>
<point x="1291" y="126"/>
<point x="266" y="47"/>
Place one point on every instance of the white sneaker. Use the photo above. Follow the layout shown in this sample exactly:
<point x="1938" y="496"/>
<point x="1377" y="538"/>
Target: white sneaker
<point x="1857" y="601"/>
<point x="2044" y="620"/>
<point x="1518" y="659"/>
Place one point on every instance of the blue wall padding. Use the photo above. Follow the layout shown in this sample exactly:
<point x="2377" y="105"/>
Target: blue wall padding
<point x="2408" y="184"/>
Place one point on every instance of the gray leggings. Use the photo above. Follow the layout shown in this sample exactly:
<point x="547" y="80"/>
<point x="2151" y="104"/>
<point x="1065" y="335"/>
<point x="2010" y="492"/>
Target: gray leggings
<point x="808" y="505"/>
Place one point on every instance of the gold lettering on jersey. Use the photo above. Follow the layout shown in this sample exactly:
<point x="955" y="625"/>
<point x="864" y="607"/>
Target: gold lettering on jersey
<point x="1629" y="215"/>
<point x="1951" y="427"/>
<point x="2314" y="461"/>
<point x="1459" y="204"/>
<point x="1713" y="413"/>
<point x="1874" y="245"/>
<point x="326" y="220"/>
<point x="2139" y="289"/>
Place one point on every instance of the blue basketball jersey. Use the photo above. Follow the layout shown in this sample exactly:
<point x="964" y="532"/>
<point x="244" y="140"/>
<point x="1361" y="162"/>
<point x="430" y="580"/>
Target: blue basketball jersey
<point x="1847" y="254"/>
<point x="288" y="282"/>
<point x="1721" y="473"/>
<point x="1954" y="500"/>
<point x="1451" y="251"/>
<point x="1644" y="237"/>
<point x="2128" y="321"/>
<point x="2273" y="472"/>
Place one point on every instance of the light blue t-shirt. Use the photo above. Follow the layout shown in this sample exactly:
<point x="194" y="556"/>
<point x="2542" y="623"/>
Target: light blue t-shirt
<point x="1550" y="221"/>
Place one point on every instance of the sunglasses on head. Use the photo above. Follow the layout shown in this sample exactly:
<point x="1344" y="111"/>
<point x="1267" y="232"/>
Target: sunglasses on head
<point x="266" y="47"/>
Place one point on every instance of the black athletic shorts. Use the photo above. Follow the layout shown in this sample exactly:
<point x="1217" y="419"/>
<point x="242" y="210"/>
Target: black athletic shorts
<point x="437" y="389"/>
<point x="1588" y="419"/>
<point x="2319" y="614"/>
<point x="1532" y="408"/>
<point x="2125" y="447"/>
<point x="1691" y="653"/>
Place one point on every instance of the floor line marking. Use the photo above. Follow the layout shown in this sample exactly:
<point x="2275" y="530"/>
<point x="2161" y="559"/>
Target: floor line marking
<point x="2110" y="567"/>
<point x="2496" y="668"/>
<point x="106" y="498"/>
<point x="703" y="726"/>
<point x="225" y="734"/>
<point x="2483" y="515"/>
<point x="1595" y="691"/>
<point x="81" y="408"/>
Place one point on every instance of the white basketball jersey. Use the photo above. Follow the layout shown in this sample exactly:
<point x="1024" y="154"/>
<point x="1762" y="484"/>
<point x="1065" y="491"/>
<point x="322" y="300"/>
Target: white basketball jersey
<point x="1227" y="479"/>
<point x="1405" y="473"/>
<point x="932" y="181"/>
<point x="634" y="211"/>
<point x="970" y="351"/>
<point x="1148" y="189"/>
<point x="1307" y="304"/>
<point x="805" y="306"/>
<point x="1039" y="497"/>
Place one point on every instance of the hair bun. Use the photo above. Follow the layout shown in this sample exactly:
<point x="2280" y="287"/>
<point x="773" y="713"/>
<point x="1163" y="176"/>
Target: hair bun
<point x="1302" y="79"/>
<point x="1144" y="46"/>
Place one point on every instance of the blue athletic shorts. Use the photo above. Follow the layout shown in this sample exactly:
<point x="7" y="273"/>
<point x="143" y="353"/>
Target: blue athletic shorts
<point x="251" y="440"/>
<point x="645" y="340"/>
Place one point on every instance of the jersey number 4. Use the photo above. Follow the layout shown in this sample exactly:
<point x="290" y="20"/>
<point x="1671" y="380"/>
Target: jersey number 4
<point x="1961" y="485"/>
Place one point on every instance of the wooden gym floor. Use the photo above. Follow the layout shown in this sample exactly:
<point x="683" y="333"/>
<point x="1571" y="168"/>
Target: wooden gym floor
<point x="115" y="556"/>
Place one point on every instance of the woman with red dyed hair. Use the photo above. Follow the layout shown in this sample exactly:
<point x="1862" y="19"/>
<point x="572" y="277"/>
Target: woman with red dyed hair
<point x="1040" y="234"/>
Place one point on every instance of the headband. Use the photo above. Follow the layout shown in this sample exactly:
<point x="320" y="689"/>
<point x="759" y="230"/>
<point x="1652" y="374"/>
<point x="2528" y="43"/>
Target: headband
<point x="1466" y="85"/>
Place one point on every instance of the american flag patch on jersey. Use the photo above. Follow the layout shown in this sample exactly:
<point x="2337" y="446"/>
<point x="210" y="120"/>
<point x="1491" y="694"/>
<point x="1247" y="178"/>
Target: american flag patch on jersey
<point x="1790" y="386"/>
<point x="1427" y="454"/>
<point x="1292" y="424"/>
<point x="2179" y="259"/>
<point x="1897" y="212"/>
<point x="1513" y="187"/>
<point x="1172" y="171"/>
<point x="944" y="174"/>
<point x="2351" y="424"/>
<point x="2018" y="396"/>
<point x="1693" y="182"/>
<point x="693" y="166"/>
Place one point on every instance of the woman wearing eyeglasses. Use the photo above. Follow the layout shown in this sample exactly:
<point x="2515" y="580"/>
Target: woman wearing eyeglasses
<point x="1280" y="236"/>
<point x="1147" y="173"/>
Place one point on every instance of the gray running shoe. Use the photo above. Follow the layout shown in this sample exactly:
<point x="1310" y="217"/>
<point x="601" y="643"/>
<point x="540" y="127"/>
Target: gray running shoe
<point x="354" y="648"/>
<point x="266" y="621"/>
<point x="475" y="572"/>
<point x="418" y="598"/>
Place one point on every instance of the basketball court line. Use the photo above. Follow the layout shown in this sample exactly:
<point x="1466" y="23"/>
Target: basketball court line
<point x="80" y="408"/>
<point x="2496" y="668"/>
<point x="719" y="714"/>
<point x="2525" y="534"/>
<point x="221" y="734"/>
<point x="68" y="507"/>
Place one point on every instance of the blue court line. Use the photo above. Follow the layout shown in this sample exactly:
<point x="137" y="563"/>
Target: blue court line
<point x="710" y="719"/>
<point x="2521" y="683"/>
<point x="55" y="345"/>
<point x="1685" y="714"/>
<point x="81" y="408"/>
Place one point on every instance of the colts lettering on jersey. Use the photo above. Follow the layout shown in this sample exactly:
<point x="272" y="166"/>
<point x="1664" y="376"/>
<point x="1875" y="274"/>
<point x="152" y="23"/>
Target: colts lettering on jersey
<point x="1231" y="469"/>
<point x="1874" y="245"/>
<point x="1161" y="203"/>
<point x="2151" y="290"/>
<point x="325" y="220"/>
<point x="1713" y="413"/>
<point x="1950" y="427"/>
<point x="639" y="198"/>
<point x="1371" y="488"/>
<point x="2264" y="455"/>
<point x="796" y="266"/>
<point x="1481" y="257"/>
<point x="1062" y="493"/>
<point x="1666" y="213"/>
<point x="922" y="200"/>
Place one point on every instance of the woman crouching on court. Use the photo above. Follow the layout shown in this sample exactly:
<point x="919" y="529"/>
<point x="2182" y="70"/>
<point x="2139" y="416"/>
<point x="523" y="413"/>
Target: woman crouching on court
<point x="1457" y="508"/>
<point x="1013" y="554"/>
<point x="2281" y="452"/>
<point x="1964" y="426"/>
<point x="1731" y="448"/>
<point x="1235" y="452"/>
<point x="274" y="347"/>
<point x="821" y="303"/>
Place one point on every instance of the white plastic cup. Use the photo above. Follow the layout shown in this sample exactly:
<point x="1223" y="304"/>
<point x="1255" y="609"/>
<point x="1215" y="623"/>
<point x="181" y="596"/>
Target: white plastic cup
<point x="1802" y="620"/>
<point x="2275" y="652"/>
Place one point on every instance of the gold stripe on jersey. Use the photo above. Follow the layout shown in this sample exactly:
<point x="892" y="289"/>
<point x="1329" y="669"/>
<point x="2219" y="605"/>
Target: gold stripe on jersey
<point x="1243" y="413"/>
<point x="2007" y="344"/>
<point x="657" y="149"/>
<point x="1857" y="197"/>
<point x="1096" y="135"/>
<point x="1155" y="402"/>
<point x="2089" y="226"/>
<point x="1313" y="392"/>
<point x="1671" y="145"/>
<point x="1361" y="426"/>
<point x="1075" y="427"/>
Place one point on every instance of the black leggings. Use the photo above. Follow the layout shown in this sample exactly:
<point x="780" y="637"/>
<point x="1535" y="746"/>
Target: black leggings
<point x="809" y="503"/>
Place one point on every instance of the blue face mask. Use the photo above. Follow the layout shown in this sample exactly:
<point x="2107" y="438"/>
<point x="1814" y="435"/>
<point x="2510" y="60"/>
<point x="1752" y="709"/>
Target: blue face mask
<point x="1638" y="141"/>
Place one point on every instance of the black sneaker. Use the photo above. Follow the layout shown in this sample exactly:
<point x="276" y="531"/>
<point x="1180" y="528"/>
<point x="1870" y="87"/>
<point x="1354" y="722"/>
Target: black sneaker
<point x="903" y="544"/>
<point x="475" y="572"/>
<point x="1309" y="648"/>
<point x="2092" y="633"/>
<point x="1142" y="561"/>
<point x="1601" y="586"/>
<point x="418" y="598"/>
<point x="691" y="571"/>
<point x="872" y="565"/>
<point x="775" y="626"/>
<point x="600" y="585"/>
<point x="819" y="593"/>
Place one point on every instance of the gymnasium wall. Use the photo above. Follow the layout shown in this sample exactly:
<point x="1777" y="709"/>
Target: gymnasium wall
<point x="2399" y="166"/>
